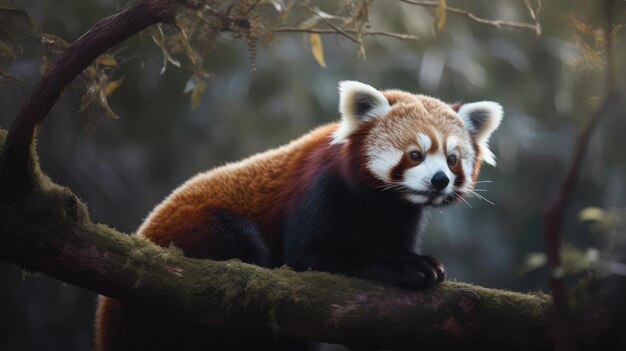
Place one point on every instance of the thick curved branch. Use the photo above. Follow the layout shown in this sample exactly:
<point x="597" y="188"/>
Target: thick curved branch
<point x="102" y="36"/>
<point x="50" y="232"/>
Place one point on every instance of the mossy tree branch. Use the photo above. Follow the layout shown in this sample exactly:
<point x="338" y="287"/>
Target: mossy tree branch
<point x="48" y="230"/>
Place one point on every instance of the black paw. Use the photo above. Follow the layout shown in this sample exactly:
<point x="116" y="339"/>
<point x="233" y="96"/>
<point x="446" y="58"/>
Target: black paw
<point x="419" y="271"/>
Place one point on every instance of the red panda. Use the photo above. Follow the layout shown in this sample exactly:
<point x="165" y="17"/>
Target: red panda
<point x="347" y="198"/>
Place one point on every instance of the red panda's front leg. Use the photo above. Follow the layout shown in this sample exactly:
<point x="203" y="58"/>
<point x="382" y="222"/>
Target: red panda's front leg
<point x="411" y="271"/>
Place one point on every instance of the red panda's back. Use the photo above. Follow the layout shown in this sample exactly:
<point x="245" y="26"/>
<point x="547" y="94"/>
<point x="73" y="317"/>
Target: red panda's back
<point x="248" y="188"/>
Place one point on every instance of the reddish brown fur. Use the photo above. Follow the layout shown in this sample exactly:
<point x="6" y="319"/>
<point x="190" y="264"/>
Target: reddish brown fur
<point x="254" y="188"/>
<point x="262" y="186"/>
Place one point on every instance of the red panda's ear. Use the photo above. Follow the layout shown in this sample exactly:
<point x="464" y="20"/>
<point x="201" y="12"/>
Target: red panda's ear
<point x="358" y="102"/>
<point x="456" y="106"/>
<point x="481" y="119"/>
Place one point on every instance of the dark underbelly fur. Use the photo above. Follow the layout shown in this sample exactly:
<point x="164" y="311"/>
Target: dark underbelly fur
<point x="363" y="233"/>
<point x="333" y="228"/>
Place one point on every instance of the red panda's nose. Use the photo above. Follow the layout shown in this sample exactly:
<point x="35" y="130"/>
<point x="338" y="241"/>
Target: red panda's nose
<point x="440" y="180"/>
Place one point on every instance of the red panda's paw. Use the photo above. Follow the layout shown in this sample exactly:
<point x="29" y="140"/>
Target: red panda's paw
<point x="421" y="271"/>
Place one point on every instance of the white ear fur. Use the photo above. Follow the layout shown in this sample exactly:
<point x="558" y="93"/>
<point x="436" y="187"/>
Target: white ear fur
<point x="481" y="119"/>
<point x="358" y="102"/>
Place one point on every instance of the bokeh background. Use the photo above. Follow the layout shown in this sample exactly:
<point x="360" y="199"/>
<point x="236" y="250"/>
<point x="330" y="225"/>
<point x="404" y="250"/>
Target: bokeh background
<point x="123" y="167"/>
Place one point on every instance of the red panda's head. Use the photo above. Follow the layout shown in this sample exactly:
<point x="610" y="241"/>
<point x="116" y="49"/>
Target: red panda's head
<point x="427" y="151"/>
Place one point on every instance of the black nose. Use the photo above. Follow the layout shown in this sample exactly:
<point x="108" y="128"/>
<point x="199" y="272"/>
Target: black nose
<point x="440" y="180"/>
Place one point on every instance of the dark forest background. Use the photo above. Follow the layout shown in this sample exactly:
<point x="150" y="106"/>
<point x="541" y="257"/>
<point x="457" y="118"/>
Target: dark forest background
<point x="549" y="86"/>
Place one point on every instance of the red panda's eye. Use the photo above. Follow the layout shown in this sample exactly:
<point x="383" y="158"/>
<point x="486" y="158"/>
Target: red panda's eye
<point x="415" y="155"/>
<point x="452" y="160"/>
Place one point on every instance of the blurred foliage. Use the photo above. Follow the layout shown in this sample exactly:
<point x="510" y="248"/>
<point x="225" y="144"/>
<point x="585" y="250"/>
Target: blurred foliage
<point x="123" y="167"/>
<point x="610" y="223"/>
<point x="591" y="41"/>
<point x="199" y="23"/>
<point x="15" y="24"/>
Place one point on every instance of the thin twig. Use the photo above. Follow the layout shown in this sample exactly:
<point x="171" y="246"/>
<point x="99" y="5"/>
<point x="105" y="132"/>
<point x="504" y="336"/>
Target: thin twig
<point x="352" y="31"/>
<point x="337" y="29"/>
<point x="475" y="18"/>
<point x="10" y="77"/>
<point x="534" y="13"/>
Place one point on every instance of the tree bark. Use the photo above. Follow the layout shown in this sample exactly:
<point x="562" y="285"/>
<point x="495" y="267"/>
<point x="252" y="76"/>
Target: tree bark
<point x="48" y="230"/>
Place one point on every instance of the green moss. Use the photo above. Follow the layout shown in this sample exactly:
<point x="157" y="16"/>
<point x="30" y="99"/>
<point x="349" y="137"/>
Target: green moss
<point x="243" y="289"/>
<point x="3" y="136"/>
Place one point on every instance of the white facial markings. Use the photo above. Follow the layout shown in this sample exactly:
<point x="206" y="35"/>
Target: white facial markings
<point x="438" y="139"/>
<point x="451" y="143"/>
<point x="419" y="177"/>
<point x="381" y="162"/>
<point x="424" y="142"/>
<point x="416" y="199"/>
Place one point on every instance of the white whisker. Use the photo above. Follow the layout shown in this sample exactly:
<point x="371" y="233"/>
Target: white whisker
<point x="461" y="197"/>
<point x="480" y="196"/>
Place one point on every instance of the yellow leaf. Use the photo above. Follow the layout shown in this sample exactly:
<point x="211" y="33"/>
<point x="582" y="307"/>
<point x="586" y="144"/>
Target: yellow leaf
<point x="93" y="90"/>
<point x="9" y="77"/>
<point x="6" y="50"/>
<point x="309" y="23"/>
<point x="595" y="214"/>
<point x="112" y="86"/>
<point x="107" y="60"/>
<point x="579" y="23"/>
<point x="104" y="104"/>
<point x="600" y="39"/>
<point x="317" y="49"/>
<point x="440" y="16"/>
<point x="284" y="12"/>
<point x="532" y="261"/>
<point x="196" y="94"/>
<point x="182" y="39"/>
<point x="90" y="72"/>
